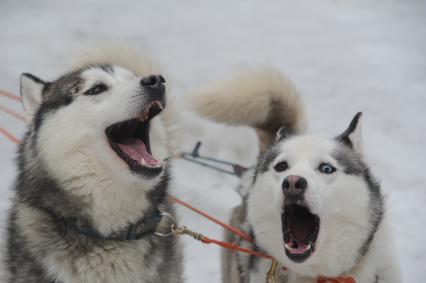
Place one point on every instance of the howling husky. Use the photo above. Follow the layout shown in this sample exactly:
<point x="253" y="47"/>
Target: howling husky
<point x="93" y="177"/>
<point x="311" y="202"/>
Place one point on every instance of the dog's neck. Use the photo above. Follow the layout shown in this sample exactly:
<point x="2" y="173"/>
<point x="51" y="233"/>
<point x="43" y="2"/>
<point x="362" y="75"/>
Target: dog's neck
<point x="111" y="207"/>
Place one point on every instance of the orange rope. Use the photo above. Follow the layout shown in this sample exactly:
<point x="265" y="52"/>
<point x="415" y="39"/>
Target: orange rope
<point x="234" y="247"/>
<point x="336" y="280"/>
<point x="13" y="113"/>
<point x="10" y="95"/>
<point x="9" y="136"/>
<point x="231" y="229"/>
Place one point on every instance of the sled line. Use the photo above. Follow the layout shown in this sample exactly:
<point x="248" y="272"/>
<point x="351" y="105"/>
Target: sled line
<point x="9" y="95"/>
<point x="13" y="113"/>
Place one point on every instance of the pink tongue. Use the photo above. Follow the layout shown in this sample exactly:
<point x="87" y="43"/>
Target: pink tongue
<point x="297" y="248"/>
<point x="137" y="151"/>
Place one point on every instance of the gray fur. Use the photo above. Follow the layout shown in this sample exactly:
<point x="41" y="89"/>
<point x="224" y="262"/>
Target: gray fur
<point x="349" y="160"/>
<point x="43" y="202"/>
<point x="266" y="159"/>
<point x="353" y="165"/>
<point x="239" y="267"/>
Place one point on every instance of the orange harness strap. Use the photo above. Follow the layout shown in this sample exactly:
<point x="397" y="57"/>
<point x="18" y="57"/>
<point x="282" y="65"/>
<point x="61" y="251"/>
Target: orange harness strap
<point x="336" y="280"/>
<point x="13" y="113"/>
<point x="10" y="95"/>
<point x="8" y="135"/>
<point x="234" y="247"/>
<point x="230" y="228"/>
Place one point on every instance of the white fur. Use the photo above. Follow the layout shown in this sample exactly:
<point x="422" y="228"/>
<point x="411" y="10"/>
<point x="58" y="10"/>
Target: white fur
<point x="266" y="100"/>
<point x="356" y="137"/>
<point x="75" y="150"/>
<point x="340" y="200"/>
<point x="85" y="163"/>
<point x="66" y="266"/>
<point x="31" y="94"/>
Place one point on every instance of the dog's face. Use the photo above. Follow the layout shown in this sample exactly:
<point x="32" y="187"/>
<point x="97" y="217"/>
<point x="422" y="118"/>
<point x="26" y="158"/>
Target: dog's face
<point x="101" y="121"/>
<point x="314" y="206"/>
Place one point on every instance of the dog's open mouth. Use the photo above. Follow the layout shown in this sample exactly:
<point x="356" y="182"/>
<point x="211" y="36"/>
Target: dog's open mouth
<point x="130" y="140"/>
<point x="300" y="230"/>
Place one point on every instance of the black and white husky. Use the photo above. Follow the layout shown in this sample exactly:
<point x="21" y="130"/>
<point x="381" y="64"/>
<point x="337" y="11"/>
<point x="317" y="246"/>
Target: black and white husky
<point x="93" y="177"/>
<point x="311" y="202"/>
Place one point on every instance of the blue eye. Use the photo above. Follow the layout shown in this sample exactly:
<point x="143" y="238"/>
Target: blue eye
<point x="326" y="168"/>
<point x="281" y="166"/>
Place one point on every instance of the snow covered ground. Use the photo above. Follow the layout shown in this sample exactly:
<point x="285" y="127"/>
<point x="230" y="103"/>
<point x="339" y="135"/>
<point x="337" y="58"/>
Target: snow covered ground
<point x="345" y="56"/>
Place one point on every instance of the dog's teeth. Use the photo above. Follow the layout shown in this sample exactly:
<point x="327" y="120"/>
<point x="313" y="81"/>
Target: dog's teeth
<point x="143" y="162"/>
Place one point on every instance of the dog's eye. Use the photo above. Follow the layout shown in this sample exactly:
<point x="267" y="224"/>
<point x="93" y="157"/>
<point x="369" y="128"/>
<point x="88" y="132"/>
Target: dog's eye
<point x="97" y="89"/>
<point x="281" y="166"/>
<point x="326" y="168"/>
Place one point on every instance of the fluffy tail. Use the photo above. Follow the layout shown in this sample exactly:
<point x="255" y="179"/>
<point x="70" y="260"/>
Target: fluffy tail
<point x="264" y="99"/>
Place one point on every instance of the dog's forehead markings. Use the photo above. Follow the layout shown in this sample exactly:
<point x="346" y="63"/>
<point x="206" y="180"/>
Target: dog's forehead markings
<point x="349" y="160"/>
<point x="267" y="158"/>
<point x="107" y="68"/>
<point x="63" y="85"/>
<point x="106" y="73"/>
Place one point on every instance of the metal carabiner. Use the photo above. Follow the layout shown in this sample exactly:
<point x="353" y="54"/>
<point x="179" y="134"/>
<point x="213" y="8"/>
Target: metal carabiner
<point x="173" y="224"/>
<point x="272" y="272"/>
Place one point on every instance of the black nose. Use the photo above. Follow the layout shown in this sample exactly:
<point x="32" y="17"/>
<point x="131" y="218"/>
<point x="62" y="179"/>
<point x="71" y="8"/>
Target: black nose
<point x="153" y="81"/>
<point x="294" y="187"/>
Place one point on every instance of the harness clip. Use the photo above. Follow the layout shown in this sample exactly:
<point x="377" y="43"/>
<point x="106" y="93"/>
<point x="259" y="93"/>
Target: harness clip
<point x="185" y="231"/>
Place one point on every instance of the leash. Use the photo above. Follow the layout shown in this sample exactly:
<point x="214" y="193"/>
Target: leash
<point x="230" y="228"/>
<point x="238" y="170"/>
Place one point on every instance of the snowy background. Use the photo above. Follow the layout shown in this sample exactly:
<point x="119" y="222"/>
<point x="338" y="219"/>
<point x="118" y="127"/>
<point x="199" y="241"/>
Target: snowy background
<point x="345" y="56"/>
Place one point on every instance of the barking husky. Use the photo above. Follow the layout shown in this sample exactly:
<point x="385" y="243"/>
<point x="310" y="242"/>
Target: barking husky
<point x="93" y="177"/>
<point x="311" y="202"/>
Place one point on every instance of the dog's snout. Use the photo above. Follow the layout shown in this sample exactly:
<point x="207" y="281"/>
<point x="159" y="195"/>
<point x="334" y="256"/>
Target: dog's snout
<point x="294" y="187"/>
<point x="153" y="81"/>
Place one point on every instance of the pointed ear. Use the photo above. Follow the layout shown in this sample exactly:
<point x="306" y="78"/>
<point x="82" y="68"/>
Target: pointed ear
<point x="352" y="136"/>
<point x="31" y="93"/>
<point x="283" y="133"/>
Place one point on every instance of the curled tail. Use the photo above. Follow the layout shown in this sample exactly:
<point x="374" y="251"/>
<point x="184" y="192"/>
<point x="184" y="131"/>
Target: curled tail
<point x="265" y="100"/>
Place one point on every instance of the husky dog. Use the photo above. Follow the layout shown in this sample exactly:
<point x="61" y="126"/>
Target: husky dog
<point x="311" y="202"/>
<point x="93" y="177"/>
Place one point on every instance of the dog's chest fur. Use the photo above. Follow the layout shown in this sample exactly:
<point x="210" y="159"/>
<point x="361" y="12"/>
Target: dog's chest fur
<point x="44" y="256"/>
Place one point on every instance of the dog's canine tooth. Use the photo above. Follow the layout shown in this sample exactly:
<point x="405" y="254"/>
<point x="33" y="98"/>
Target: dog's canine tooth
<point x="159" y="105"/>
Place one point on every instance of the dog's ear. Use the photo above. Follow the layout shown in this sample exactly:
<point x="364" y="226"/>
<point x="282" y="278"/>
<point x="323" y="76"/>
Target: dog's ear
<point x="283" y="133"/>
<point x="352" y="136"/>
<point x="31" y="93"/>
